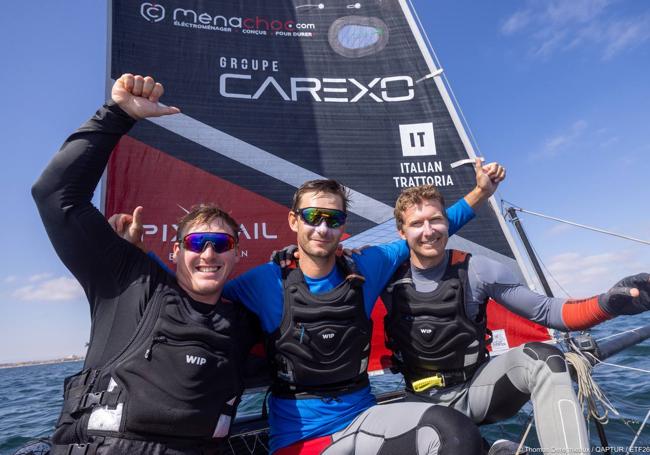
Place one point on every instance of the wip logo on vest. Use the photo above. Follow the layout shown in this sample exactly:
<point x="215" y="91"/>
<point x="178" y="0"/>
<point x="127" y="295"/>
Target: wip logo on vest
<point x="195" y="359"/>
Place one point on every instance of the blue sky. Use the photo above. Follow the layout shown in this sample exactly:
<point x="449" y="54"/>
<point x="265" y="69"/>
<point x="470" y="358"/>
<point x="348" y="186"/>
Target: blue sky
<point x="555" y="90"/>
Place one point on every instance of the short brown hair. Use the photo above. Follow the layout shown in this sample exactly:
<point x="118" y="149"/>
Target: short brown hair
<point x="416" y="195"/>
<point x="206" y="214"/>
<point x="322" y="186"/>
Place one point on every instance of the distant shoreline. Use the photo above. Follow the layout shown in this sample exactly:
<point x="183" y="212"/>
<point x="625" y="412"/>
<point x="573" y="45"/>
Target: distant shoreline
<point x="72" y="358"/>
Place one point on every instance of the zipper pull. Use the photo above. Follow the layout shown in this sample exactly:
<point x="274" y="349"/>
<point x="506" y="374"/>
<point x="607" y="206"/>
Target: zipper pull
<point x="154" y="341"/>
<point x="301" y="330"/>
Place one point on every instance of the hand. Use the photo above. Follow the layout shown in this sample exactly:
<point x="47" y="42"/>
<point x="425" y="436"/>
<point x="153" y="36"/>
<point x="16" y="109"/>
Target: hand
<point x="285" y="257"/>
<point x="631" y="295"/>
<point x="489" y="176"/>
<point x="138" y="96"/>
<point x="129" y="227"/>
<point x="350" y="251"/>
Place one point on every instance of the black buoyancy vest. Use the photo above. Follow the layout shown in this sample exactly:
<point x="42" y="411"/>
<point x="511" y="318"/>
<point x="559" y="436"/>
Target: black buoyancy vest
<point x="322" y="345"/>
<point x="176" y="380"/>
<point x="429" y="332"/>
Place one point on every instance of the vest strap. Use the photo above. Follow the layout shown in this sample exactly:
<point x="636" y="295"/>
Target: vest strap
<point x="83" y="449"/>
<point x="285" y="390"/>
<point x="90" y="400"/>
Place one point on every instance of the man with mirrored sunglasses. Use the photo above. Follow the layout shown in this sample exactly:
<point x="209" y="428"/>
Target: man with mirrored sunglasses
<point x="317" y="321"/>
<point x="163" y="369"/>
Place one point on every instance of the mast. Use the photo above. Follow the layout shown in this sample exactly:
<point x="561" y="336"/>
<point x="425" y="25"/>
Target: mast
<point x="529" y="249"/>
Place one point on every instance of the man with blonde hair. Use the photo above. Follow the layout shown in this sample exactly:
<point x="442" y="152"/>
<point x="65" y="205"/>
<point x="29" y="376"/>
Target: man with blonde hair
<point x="436" y="327"/>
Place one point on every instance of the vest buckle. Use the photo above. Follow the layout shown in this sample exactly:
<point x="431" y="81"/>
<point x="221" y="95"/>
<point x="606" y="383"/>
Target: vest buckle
<point x="90" y="400"/>
<point x="78" y="449"/>
<point x="437" y="380"/>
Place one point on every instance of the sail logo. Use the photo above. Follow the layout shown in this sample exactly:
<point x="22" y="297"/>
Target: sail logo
<point x="417" y="139"/>
<point x="426" y="331"/>
<point x="195" y="360"/>
<point x="250" y="231"/>
<point x="257" y="25"/>
<point x="328" y="336"/>
<point x="152" y="12"/>
<point x="329" y="90"/>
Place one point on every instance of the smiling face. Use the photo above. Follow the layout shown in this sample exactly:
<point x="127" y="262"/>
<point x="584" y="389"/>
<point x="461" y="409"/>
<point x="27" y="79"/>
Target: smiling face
<point x="426" y="230"/>
<point x="317" y="241"/>
<point x="203" y="275"/>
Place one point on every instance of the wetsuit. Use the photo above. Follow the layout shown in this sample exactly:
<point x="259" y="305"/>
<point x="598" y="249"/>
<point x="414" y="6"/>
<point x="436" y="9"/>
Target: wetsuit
<point x="261" y="289"/>
<point x="536" y="371"/>
<point x="162" y="371"/>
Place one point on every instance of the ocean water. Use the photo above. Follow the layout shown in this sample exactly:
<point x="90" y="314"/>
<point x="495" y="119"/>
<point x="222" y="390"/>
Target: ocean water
<point x="30" y="398"/>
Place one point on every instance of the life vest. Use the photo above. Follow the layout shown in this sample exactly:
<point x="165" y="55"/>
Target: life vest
<point x="429" y="332"/>
<point x="322" y="345"/>
<point x="176" y="381"/>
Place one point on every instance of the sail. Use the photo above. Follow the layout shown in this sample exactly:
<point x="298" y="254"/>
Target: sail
<point x="274" y="93"/>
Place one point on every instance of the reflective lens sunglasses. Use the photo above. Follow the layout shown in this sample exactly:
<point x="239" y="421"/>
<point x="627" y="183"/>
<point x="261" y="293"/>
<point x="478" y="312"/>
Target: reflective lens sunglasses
<point x="314" y="216"/>
<point x="197" y="241"/>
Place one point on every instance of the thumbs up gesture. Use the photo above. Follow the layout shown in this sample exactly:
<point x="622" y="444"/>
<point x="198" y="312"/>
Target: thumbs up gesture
<point x="138" y="96"/>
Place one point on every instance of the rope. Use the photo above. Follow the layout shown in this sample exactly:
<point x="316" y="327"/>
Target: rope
<point x="588" y="389"/>
<point x="548" y="272"/>
<point x="584" y="226"/>
<point x="523" y="439"/>
<point x="636" y="436"/>
<point x="472" y="139"/>
<point x="620" y="333"/>
<point x="640" y="370"/>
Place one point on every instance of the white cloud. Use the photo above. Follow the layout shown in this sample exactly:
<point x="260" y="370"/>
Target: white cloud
<point x="562" y="141"/>
<point x="561" y="12"/>
<point x="10" y="279"/>
<point x="52" y="289"/>
<point x="516" y="22"/>
<point x="39" y="277"/>
<point x="586" y="275"/>
<point x="625" y="34"/>
<point x="559" y="230"/>
<point x="609" y="142"/>
<point x="562" y="25"/>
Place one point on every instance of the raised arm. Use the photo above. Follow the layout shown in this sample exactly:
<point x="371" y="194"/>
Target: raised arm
<point x="492" y="279"/>
<point x="79" y="233"/>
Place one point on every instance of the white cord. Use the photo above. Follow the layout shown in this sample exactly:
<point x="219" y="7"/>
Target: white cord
<point x="523" y="439"/>
<point x="636" y="436"/>
<point x="587" y="387"/>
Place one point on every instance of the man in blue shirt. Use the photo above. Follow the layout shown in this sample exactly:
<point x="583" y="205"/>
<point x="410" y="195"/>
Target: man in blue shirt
<point x="317" y="320"/>
<point x="300" y="414"/>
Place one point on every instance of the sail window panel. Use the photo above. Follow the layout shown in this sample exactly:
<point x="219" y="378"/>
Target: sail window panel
<point x="358" y="36"/>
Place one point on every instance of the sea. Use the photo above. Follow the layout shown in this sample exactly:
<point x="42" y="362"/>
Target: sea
<point x="31" y="397"/>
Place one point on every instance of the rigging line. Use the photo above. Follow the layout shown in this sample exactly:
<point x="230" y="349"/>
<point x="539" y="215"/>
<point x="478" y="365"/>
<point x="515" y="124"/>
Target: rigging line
<point x="624" y="367"/>
<point x="444" y="75"/>
<point x="523" y="439"/>
<point x="620" y="333"/>
<point x="640" y="370"/>
<point x="539" y="257"/>
<point x="548" y="272"/>
<point x="591" y="228"/>
<point x="636" y="436"/>
<point x="451" y="90"/>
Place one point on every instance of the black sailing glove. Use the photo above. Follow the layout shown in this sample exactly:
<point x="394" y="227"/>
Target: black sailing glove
<point x="284" y="257"/>
<point x="619" y="299"/>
